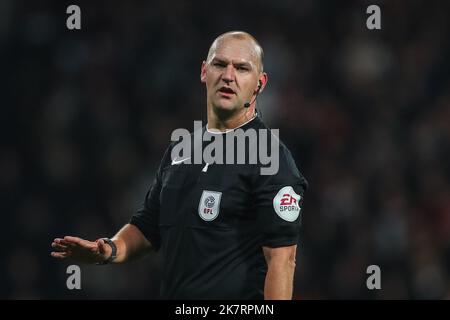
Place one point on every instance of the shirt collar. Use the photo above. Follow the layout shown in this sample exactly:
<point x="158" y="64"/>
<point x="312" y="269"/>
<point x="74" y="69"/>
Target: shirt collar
<point x="215" y="131"/>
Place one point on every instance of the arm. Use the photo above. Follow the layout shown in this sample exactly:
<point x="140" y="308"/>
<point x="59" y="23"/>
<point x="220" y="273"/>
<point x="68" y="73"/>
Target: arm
<point x="280" y="272"/>
<point x="131" y="244"/>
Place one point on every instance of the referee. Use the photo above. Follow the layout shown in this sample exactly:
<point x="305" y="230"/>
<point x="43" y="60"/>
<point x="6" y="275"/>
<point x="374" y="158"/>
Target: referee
<point x="225" y="231"/>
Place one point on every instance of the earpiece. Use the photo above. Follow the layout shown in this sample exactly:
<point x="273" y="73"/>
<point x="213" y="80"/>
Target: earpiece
<point x="247" y="104"/>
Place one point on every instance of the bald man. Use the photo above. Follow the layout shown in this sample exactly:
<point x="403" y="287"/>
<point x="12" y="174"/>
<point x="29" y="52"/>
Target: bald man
<point x="233" y="74"/>
<point x="224" y="230"/>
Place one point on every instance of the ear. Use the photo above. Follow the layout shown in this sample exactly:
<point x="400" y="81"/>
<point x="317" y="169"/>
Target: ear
<point x="263" y="79"/>
<point x="203" y="72"/>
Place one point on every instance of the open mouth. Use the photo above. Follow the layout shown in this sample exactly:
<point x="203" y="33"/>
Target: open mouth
<point x="226" y="91"/>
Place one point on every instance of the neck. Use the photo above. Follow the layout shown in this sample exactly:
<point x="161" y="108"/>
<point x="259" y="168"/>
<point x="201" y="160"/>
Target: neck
<point x="223" y="121"/>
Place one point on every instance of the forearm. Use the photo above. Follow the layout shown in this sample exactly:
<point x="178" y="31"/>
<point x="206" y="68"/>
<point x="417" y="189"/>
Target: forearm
<point x="279" y="281"/>
<point x="131" y="244"/>
<point x="280" y="272"/>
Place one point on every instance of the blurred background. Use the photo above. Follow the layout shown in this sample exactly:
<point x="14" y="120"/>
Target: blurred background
<point x="86" y="116"/>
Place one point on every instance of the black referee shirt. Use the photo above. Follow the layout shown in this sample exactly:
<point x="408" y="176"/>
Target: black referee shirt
<point x="211" y="225"/>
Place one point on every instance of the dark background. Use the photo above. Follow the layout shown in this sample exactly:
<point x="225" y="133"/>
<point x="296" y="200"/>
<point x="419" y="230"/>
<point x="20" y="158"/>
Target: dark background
<point x="86" y="116"/>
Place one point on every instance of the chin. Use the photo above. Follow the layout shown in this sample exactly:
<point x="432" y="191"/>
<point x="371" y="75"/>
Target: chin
<point x="225" y="105"/>
<point x="225" y="109"/>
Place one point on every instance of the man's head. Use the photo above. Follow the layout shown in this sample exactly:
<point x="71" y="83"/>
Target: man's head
<point x="233" y="72"/>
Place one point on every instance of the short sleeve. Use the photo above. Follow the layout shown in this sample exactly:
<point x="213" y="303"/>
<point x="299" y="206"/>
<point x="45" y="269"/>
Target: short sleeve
<point x="146" y="218"/>
<point x="278" y="201"/>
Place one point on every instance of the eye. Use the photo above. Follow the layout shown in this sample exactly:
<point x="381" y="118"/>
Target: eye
<point x="242" y="68"/>
<point x="219" y="64"/>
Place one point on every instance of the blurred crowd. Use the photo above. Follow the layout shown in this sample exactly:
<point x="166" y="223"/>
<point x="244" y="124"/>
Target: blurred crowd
<point x="86" y="116"/>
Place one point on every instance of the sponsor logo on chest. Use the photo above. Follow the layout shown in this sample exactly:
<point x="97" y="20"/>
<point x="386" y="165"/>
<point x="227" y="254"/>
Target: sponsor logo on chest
<point x="209" y="205"/>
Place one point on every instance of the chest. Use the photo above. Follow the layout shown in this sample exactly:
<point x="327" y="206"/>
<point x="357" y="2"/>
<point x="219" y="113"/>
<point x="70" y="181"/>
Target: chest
<point x="202" y="195"/>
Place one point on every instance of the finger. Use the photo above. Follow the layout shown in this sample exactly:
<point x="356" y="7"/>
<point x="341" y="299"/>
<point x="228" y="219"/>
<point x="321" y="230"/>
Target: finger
<point x="71" y="239"/>
<point x="101" y="246"/>
<point x="59" y="246"/>
<point x="59" y="243"/>
<point x="80" y="242"/>
<point x="64" y="242"/>
<point x="60" y="255"/>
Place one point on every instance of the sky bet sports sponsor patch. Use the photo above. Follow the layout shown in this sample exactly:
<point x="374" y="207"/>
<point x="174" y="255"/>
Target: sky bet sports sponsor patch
<point x="287" y="204"/>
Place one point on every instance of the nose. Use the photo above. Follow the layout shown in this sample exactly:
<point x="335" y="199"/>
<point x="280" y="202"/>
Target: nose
<point x="228" y="74"/>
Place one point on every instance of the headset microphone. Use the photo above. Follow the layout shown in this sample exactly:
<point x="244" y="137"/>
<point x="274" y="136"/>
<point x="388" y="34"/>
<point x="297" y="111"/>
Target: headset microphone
<point x="248" y="104"/>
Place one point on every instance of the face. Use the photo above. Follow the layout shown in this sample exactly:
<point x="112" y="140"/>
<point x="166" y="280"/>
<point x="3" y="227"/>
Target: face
<point x="231" y="74"/>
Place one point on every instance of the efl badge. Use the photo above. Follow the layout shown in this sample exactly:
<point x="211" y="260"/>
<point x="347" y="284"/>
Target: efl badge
<point x="287" y="204"/>
<point x="209" y="205"/>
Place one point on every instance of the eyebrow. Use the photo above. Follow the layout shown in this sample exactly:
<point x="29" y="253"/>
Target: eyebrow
<point x="243" y="64"/>
<point x="237" y="64"/>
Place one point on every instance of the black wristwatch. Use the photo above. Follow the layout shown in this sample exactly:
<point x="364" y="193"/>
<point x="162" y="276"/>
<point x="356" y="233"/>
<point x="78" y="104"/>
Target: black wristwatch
<point x="113" y="252"/>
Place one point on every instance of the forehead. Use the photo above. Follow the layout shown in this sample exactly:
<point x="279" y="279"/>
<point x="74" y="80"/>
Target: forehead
<point x="237" y="50"/>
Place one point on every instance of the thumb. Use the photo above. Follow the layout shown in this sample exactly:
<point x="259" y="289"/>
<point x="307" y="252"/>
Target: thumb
<point x="101" y="246"/>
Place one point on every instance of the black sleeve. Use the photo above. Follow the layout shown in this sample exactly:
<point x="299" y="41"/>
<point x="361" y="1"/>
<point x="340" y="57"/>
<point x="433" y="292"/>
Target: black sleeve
<point x="278" y="201"/>
<point x="147" y="217"/>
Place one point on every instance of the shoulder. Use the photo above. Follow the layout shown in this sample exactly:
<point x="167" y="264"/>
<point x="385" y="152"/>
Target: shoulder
<point x="287" y="160"/>
<point x="279" y="152"/>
